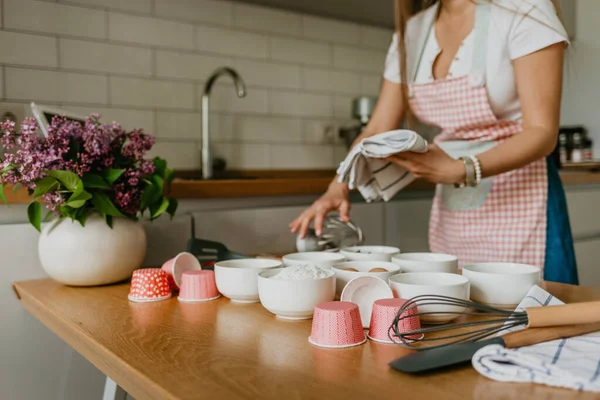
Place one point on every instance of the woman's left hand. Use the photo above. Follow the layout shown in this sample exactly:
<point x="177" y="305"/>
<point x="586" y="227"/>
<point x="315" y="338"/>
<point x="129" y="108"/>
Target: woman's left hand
<point x="435" y="165"/>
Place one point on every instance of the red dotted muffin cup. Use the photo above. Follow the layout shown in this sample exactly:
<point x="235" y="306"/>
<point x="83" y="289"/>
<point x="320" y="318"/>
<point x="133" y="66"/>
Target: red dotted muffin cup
<point x="382" y="317"/>
<point x="149" y="284"/>
<point x="177" y="265"/>
<point x="337" y="324"/>
<point x="198" y="286"/>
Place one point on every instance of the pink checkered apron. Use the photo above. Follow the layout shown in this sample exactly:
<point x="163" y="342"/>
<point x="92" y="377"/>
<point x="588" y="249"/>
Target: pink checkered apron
<point x="504" y="218"/>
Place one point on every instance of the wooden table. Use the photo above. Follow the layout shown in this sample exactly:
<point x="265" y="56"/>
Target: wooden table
<point x="222" y="350"/>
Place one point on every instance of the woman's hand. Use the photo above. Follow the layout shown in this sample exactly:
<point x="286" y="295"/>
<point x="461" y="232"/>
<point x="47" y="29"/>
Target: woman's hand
<point x="435" y="165"/>
<point x="336" y="198"/>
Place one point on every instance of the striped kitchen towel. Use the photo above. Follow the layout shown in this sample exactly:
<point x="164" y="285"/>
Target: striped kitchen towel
<point x="572" y="363"/>
<point x="366" y="169"/>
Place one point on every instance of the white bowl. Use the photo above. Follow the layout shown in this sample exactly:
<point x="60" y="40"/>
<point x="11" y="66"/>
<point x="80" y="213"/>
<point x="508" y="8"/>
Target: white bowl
<point x="369" y="253"/>
<point x="342" y="277"/>
<point x="407" y="286"/>
<point x="501" y="285"/>
<point x="364" y="291"/>
<point x="238" y="279"/>
<point x="294" y="299"/>
<point x="427" y="262"/>
<point x="322" y="259"/>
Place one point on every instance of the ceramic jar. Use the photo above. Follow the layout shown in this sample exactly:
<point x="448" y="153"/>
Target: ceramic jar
<point x="93" y="254"/>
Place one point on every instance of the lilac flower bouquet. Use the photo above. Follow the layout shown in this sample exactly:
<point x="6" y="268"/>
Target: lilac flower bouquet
<point x="80" y="169"/>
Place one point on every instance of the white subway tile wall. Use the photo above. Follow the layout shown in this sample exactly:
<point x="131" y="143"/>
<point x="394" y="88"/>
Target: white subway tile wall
<point x="151" y="93"/>
<point x="54" y="86"/>
<point x="144" y="63"/>
<point x="101" y="57"/>
<point x="210" y="11"/>
<point x="24" y="49"/>
<point x="143" y="6"/>
<point x="336" y="31"/>
<point x="267" y="20"/>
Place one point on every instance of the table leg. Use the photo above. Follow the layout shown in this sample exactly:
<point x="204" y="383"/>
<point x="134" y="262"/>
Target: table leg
<point x="112" y="391"/>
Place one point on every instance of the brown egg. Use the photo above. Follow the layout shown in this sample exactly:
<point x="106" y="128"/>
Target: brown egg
<point x="350" y="269"/>
<point x="378" y="270"/>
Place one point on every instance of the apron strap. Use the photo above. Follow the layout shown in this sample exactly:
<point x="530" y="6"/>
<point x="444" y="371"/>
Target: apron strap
<point x="481" y="29"/>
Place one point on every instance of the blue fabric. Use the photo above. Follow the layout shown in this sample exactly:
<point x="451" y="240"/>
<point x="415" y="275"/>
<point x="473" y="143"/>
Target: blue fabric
<point x="560" y="265"/>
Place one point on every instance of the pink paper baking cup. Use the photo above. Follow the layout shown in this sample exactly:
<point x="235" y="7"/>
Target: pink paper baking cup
<point x="337" y="324"/>
<point x="382" y="317"/>
<point x="177" y="265"/>
<point x="149" y="284"/>
<point x="198" y="286"/>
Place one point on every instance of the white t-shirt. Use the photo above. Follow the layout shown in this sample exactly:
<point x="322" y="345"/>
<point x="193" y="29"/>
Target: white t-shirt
<point x="517" y="28"/>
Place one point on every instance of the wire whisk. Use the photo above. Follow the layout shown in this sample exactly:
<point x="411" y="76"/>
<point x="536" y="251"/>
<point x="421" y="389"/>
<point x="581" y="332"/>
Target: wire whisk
<point x="490" y="321"/>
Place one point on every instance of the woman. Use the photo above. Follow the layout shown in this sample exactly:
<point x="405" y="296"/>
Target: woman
<point x="489" y="75"/>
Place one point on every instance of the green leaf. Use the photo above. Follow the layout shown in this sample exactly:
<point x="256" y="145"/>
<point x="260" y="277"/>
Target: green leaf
<point x="104" y="205"/>
<point x="76" y="203"/>
<point x="111" y="175"/>
<point x="68" y="179"/>
<point x="44" y="186"/>
<point x="109" y="220"/>
<point x="150" y="196"/>
<point x="158" y="181"/>
<point x="2" y="196"/>
<point x="34" y="212"/>
<point x="160" y="165"/>
<point x="78" y="199"/>
<point x="9" y="167"/>
<point x="173" y="204"/>
<point x="156" y="211"/>
<point x="169" y="175"/>
<point x="17" y="186"/>
<point x="81" y="216"/>
<point x="67" y="211"/>
<point x="94" y="181"/>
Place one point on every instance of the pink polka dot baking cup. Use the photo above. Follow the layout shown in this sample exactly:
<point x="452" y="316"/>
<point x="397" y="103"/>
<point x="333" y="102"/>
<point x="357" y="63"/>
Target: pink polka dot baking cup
<point x="198" y="286"/>
<point x="177" y="265"/>
<point x="337" y="324"/>
<point x="382" y="317"/>
<point x="149" y="284"/>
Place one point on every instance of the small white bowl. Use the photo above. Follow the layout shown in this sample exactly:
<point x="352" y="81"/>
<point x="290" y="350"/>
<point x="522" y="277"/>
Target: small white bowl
<point x="321" y="259"/>
<point x="294" y="299"/>
<point x="342" y="276"/>
<point x="407" y="286"/>
<point x="238" y="279"/>
<point x="364" y="291"/>
<point x="369" y="253"/>
<point x="501" y="285"/>
<point x="427" y="262"/>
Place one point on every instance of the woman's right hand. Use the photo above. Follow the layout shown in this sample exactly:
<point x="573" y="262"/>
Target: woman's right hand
<point x="336" y="198"/>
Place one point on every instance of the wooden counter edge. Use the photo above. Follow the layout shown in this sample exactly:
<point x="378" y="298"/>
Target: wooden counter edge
<point x="312" y="183"/>
<point x="74" y="336"/>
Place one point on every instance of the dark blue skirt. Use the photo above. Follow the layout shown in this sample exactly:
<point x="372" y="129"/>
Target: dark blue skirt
<point x="560" y="265"/>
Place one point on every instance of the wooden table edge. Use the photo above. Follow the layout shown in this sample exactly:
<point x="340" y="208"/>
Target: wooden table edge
<point x="114" y="367"/>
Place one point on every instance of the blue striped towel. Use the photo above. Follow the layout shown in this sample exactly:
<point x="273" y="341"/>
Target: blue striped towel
<point x="572" y="363"/>
<point x="366" y="169"/>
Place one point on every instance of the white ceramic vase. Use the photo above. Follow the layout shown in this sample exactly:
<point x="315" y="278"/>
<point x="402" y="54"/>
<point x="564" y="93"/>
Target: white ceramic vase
<point x="92" y="255"/>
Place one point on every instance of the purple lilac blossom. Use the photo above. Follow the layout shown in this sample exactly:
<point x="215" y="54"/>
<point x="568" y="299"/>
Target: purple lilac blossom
<point x="91" y="147"/>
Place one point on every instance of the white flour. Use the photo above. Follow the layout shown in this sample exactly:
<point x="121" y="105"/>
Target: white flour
<point x="300" y="272"/>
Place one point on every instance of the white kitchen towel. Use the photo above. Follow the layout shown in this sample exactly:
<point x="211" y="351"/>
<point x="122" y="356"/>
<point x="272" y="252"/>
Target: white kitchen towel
<point x="366" y="169"/>
<point x="572" y="363"/>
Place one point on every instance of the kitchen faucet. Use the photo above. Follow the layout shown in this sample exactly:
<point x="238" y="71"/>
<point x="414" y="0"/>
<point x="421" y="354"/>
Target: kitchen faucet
<point x="240" y="87"/>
